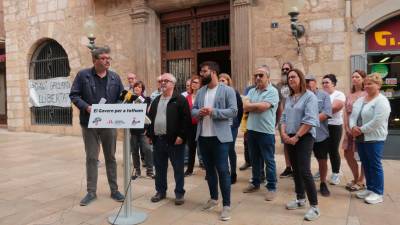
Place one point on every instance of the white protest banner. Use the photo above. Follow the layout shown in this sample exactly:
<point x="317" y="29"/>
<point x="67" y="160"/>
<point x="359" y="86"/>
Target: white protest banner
<point x="117" y="116"/>
<point x="50" y="92"/>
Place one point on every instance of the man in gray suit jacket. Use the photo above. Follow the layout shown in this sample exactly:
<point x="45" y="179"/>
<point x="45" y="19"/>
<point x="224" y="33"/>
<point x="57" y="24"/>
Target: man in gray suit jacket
<point x="215" y="104"/>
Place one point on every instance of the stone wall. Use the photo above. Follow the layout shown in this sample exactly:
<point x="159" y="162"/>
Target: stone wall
<point x="132" y="29"/>
<point x="323" y="48"/>
<point x="29" y="23"/>
<point x="2" y="32"/>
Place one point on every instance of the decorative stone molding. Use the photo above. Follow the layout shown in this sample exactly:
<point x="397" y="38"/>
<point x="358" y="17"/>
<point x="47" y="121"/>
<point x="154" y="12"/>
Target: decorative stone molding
<point x="139" y="16"/>
<point x="377" y="14"/>
<point x="242" y="2"/>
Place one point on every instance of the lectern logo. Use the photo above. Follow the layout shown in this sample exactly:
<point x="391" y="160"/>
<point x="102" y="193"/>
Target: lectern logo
<point x="134" y="121"/>
<point x="96" y="121"/>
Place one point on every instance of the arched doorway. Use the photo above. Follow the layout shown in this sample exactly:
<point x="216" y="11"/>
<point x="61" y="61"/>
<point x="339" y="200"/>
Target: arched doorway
<point x="49" y="61"/>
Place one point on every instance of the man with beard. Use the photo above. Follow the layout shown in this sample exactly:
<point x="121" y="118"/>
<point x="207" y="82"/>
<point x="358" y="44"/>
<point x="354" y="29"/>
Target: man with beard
<point x="215" y="104"/>
<point x="284" y="92"/>
<point x="170" y="116"/>
<point x="89" y="87"/>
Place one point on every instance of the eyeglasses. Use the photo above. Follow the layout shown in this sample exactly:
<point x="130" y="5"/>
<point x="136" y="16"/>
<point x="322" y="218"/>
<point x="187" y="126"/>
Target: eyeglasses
<point x="325" y="82"/>
<point x="260" y="75"/>
<point x="285" y="69"/>
<point x="292" y="77"/>
<point x="164" y="81"/>
<point x="105" y="59"/>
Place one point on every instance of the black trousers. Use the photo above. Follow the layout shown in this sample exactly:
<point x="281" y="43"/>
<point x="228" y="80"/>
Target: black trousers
<point x="246" y="149"/>
<point x="192" y="144"/>
<point x="335" y="135"/>
<point x="300" y="157"/>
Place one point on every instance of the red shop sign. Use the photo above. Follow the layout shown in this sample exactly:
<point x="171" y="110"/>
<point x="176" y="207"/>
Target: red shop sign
<point x="384" y="36"/>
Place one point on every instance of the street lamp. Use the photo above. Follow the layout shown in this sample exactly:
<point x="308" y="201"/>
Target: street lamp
<point x="90" y="28"/>
<point x="292" y="7"/>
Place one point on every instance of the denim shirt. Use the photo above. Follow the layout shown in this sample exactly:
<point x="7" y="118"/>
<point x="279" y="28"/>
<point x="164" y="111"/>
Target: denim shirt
<point x="325" y="107"/>
<point x="304" y="111"/>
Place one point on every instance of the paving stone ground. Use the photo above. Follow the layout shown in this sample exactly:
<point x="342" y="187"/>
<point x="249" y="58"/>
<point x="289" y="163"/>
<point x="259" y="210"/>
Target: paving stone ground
<point x="42" y="179"/>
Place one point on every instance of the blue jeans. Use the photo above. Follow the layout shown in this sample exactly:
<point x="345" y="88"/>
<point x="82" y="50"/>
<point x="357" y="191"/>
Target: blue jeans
<point x="215" y="159"/>
<point x="371" y="154"/>
<point x="232" y="152"/>
<point x="176" y="154"/>
<point x="262" y="146"/>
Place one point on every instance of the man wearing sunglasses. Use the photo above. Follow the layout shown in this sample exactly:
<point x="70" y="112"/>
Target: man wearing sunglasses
<point x="262" y="104"/>
<point x="284" y="92"/>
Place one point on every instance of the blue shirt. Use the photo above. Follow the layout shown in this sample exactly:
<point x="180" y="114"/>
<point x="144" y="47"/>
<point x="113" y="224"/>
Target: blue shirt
<point x="303" y="111"/>
<point x="325" y="107"/>
<point x="263" y="122"/>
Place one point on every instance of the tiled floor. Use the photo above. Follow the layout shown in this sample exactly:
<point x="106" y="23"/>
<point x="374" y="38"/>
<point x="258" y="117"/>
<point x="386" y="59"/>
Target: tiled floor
<point x="42" y="179"/>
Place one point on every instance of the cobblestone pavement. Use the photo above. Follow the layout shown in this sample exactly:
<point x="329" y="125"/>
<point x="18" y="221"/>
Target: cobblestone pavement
<point x="42" y="179"/>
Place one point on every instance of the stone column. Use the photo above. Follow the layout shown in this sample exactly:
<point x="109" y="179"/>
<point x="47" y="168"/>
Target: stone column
<point x="241" y="46"/>
<point x="146" y="43"/>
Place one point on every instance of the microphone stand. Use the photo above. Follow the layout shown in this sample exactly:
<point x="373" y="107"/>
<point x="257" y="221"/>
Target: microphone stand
<point x="127" y="216"/>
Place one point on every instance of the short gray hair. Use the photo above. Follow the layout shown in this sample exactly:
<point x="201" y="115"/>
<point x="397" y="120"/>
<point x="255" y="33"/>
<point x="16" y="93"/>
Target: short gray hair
<point x="266" y="69"/>
<point x="171" y="76"/>
<point x="100" y="50"/>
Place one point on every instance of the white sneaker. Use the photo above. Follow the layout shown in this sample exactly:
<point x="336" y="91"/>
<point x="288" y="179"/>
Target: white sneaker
<point x="312" y="214"/>
<point x="296" y="204"/>
<point x="374" y="198"/>
<point x="363" y="194"/>
<point x="210" y="204"/>
<point x="226" y="213"/>
<point x="316" y="176"/>
<point x="335" y="179"/>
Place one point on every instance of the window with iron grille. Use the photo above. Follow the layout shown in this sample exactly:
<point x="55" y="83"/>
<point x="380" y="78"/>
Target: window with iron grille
<point x="215" y="33"/>
<point x="181" y="68"/>
<point x="178" y="37"/>
<point x="50" y="61"/>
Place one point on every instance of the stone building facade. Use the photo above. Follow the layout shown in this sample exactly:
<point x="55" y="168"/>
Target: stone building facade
<point x="334" y="40"/>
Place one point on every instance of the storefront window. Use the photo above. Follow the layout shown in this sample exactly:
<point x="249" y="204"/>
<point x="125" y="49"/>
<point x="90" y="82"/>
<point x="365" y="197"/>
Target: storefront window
<point x="388" y="65"/>
<point x="383" y="51"/>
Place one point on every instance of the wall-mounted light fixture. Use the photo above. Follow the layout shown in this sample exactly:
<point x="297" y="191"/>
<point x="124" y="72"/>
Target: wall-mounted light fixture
<point x="292" y="8"/>
<point x="90" y="28"/>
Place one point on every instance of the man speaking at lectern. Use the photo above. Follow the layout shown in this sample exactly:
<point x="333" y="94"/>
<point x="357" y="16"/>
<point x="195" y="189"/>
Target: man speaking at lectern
<point x="91" y="86"/>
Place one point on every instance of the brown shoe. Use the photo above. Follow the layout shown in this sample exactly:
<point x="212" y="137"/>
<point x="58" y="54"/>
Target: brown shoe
<point x="270" y="195"/>
<point x="251" y="188"/>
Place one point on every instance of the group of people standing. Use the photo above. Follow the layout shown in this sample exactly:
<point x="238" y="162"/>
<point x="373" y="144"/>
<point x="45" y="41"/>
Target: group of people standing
<point x="209" y="115"/>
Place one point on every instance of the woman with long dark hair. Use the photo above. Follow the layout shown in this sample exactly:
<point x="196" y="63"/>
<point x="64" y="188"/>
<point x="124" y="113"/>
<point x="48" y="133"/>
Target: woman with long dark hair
<point x="298" y="123"/>
<point x="348" y="145"/>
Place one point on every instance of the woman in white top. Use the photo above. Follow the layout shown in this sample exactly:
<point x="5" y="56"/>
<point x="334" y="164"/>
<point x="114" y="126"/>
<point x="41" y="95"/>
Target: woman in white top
<point x="335" y="124"/>
<point x="369" y="126"/>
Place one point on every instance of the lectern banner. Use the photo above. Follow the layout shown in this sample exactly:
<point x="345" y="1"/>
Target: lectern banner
<point x="117" y="116"/>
